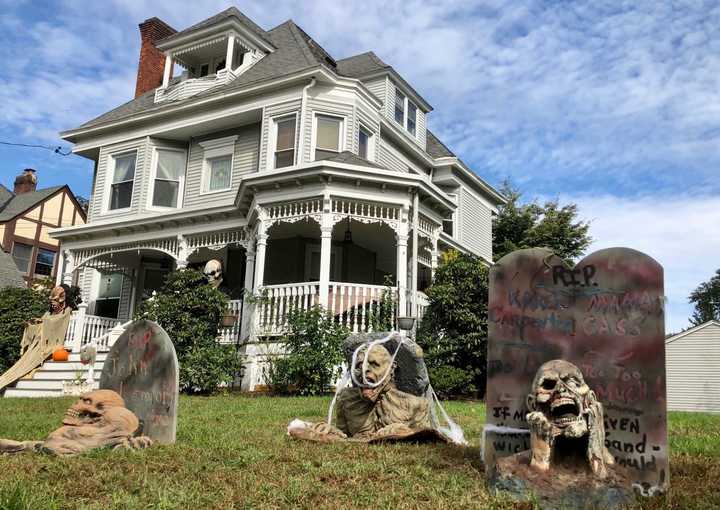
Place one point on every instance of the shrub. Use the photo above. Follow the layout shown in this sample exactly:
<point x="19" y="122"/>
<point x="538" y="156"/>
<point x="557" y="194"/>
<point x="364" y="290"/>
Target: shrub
<point x="382" y="318"/>
<point x="17" y="307"/>
<point x="448" y="381"/>
<point x="189" y="310"/>
<point x="453" y="332"/>
<point x="314" y="352"/>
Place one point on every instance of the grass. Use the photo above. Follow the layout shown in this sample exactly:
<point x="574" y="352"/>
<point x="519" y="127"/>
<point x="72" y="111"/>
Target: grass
<point x="232" y="452"/>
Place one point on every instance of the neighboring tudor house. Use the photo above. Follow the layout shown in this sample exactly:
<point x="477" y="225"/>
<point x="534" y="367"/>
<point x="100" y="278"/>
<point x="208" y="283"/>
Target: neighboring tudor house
<point x="313" y="180"/>
<point x="692" y="361"/>
<point x="27" y="215"/>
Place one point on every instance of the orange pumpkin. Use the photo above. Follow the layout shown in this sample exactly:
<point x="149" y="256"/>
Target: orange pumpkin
<point x="60" y="355"/>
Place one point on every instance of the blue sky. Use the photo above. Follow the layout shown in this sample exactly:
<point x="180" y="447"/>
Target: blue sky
<point x="613" y="105"/>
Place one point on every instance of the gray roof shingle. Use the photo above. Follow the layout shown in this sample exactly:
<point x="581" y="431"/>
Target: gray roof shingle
<point x="232" y="12"/>
<point x="10" y="275"/>
<point x="5" y="195"/>
<point x="351" y="159"/>
<point x="20" y="203"/>
<point x="436" y="148"/>
<point x="295" y="51"/>
<point x="360" y="65"/>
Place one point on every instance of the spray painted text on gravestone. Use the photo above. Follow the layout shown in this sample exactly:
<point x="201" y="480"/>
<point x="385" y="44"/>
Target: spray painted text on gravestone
<point x="606" y="316"/>
<point x="142" y="367"/>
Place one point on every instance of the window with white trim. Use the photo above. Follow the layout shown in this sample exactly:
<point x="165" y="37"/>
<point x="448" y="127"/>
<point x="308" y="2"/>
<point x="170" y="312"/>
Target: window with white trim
<point x="217" y="164"/>
<point x="169" y="176"/>
<point x="284" y="146"/>
<point x="44" y="262"/>
<point x="107" y="303"/>
<point x="123" y="178"/>
<point x="405" y="112"/>
<point x="365" y="143"/>
<point x="328" y="132"/>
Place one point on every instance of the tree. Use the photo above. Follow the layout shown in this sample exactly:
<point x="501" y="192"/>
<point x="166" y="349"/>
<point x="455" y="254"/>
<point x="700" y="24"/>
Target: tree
<point x="453" y="331"/>
<point x="706" y="298"/>
<point x="550" y="225"/>
<point x="189" y="310"/>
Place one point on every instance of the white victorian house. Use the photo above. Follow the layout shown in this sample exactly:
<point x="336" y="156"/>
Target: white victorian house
<point x="313" y="180"/>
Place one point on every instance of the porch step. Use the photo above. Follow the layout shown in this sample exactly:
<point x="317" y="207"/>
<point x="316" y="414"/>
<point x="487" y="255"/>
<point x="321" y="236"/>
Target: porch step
<point x="47" y="381"/>
<point x="16" y="393"/>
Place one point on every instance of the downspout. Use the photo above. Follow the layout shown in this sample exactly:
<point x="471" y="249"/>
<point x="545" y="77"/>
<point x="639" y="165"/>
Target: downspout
<point x="303" y="102"/>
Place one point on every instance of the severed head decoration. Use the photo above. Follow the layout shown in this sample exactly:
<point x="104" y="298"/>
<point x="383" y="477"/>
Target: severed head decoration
<point x="374" y="374"/>
<point x="213" y="272"/>
<point x="562" y="406"/>
<point x="58" y="298"/>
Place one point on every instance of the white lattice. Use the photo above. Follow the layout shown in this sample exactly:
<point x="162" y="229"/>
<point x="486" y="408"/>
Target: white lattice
<point x="217" y="240"/>
<point x="365" y="212"/>
<point x="291" y="212"/>
<point x="168" y="246"/>
<point x="427" y="228"/>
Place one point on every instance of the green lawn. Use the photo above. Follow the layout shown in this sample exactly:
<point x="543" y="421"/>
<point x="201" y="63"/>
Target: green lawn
<point x="232" y="451"/>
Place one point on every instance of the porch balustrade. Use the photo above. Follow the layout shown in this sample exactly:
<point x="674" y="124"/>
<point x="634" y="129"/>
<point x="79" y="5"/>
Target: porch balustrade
<point x="83" y="328"/>
<point x="231" y="334"/>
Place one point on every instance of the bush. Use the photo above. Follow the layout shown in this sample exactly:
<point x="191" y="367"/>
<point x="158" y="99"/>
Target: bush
<point x="314" y="352"/>
<point x="17" y="307"/>
<point x="189" y="310"/>
<point x="450" y="381"/>
<point x="453" y="332"/>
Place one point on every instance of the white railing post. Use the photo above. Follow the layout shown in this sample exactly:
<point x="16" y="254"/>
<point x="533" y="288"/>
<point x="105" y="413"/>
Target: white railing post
<point x="79" y="327"/>
<point x="326" y="229"/>
<point x="114" y="334"/>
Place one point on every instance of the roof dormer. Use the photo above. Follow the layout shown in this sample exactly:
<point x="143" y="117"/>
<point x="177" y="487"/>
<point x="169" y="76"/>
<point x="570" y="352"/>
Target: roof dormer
<point x="212" y="52"/>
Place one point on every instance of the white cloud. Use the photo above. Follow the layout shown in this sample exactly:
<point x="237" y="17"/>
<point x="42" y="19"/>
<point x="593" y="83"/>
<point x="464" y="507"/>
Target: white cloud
<point x="680" y="231"/>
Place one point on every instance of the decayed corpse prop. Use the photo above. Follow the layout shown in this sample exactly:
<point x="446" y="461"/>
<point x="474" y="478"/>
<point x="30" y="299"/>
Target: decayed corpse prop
<point x="385" y="395"/>
<point x="42" y="336"/>
<point x="98" y="419"/>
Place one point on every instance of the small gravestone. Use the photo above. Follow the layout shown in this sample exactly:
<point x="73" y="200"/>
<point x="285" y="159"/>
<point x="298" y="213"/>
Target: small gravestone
<point x="604" y="316"/>
<point x="142" y="367"/>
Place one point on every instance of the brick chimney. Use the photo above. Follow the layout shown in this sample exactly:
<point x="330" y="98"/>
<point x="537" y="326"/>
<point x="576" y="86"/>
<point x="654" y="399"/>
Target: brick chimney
<point x="25" y="182"/>
<point x="152" y="60"/>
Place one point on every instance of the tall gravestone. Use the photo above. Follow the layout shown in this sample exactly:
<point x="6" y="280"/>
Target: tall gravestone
<point x="142" y="367"/>
<point x="606" y="316"/>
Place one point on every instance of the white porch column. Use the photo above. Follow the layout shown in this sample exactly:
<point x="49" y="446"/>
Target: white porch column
<point x="414" y="259"/>
<point x="261" y="237"/>
<point x="229" y="54"/>
<point x="181" y="262"/>
<point x="79" y="327"/>
<point x="434" y="254"/>
<point x="169" y="63"/>
<point x="402" y="240"/>
<point x="60" y="268"/>
<point x="326" y="229"/>
<point x="67" y="275"/>
<point x="247" y="308"/>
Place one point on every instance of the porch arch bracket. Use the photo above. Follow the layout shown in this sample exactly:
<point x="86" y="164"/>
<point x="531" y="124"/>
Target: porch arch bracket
<point x="366" y="212"/>
<point x="216" y="240"/>
<point x="169" y="246"/>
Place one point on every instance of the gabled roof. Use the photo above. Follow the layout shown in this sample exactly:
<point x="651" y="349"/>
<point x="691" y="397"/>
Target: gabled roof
<point x="10" y="275"/>
<point x="295" y="51"/>
<point x="5" y="195"/>
<point x="18" y="204"/>
<point x="692" y="330"/>
<point x="231" y="13"/>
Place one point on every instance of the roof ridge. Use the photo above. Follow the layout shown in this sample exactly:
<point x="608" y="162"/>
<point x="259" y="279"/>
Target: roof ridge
<point x="294" y="29"/>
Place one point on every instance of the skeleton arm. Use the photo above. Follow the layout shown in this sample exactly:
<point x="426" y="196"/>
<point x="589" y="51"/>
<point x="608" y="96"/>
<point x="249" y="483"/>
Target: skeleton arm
<point x="597" y="454"/>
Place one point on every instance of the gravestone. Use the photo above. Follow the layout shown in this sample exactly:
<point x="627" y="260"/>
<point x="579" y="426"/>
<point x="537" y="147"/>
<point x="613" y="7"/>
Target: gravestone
<point x="605" y="316"/>
<point x="142" y="367"/>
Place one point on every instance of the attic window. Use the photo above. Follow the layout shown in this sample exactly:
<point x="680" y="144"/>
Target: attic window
<point x="399" y="107"/>
<point x="405" y="112"/>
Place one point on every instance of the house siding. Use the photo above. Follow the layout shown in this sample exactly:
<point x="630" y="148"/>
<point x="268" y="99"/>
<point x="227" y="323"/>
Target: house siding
<point x="100" y="193"/>
<point x="245" y="161"/>
<point x="379" y="88"/>
<point x="269" y="112"/>
<point x="693" y="371"/>
<point x="474" y="224"/>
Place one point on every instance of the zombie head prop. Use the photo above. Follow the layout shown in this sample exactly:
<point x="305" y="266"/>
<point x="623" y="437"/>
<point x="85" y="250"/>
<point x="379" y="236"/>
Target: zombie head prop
<point x="564" y="414"/>
<point x="98" y="419"/>
<point x="373" y="370"/>
<point x="213" y="272"/>
<point x="58" y="298"/>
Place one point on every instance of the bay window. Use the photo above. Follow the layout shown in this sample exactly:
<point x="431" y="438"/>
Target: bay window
<point x="121" y="183"/>
<point x="169" y="177"/>
<point x="327" y="136"/>
<point x="284" y="153"/>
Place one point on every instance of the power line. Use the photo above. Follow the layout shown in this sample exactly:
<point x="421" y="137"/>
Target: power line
<point x="56" y="150"/>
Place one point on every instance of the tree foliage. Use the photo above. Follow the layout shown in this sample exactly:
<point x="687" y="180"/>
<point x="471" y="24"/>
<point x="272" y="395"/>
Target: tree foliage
<point x="453" y="331"/>
<point x="549" y="225"/>
<point x="189" y="310"/>
<point x="313" y="354"/>
<point x="17" y="307"/>
<point x="706" y="298"/>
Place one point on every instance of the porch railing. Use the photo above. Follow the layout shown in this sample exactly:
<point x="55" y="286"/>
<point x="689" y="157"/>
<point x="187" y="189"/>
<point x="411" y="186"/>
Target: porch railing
<point x="84" y="327"/>
<point x="231" y="334"/>
<point x="422" y="304"/>
<point x="359" y="307"/>
<point x="273" y="309"/>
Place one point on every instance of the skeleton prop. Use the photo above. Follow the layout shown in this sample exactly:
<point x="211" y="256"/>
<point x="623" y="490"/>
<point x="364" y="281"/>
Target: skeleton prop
<point x="369" y="406"/>
<point x="214" y="273"/>
<point x="98" y="419"/>
<point x="565" y="413"/>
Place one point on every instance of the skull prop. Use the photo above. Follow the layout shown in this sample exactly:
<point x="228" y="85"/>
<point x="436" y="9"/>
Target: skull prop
<point x="213" y="272"/>
<point x="98" y="419"/>
<point x="57" y="300"/>
<point x="562" y="406"/>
